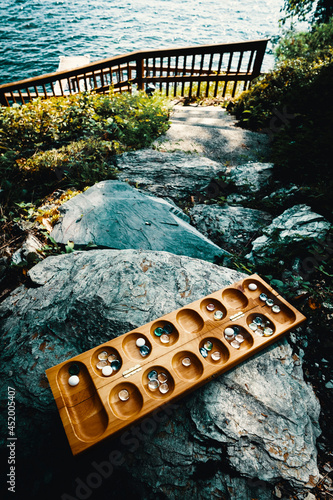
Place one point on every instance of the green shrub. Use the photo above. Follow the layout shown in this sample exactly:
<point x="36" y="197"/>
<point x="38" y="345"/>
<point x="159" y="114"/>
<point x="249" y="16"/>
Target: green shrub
<point x="293" y="104"/>
<point x="55" y="121"/>
<point x="317" y="11"/>
<point x="303" y="150"/>
<point x="71" y="140"/>
<point x="310" y="45"/>
<point x="136" y="119"/>
<point x="300" y="59"/>
<point x="78" y="164"/>
<point x="278" y="92"/>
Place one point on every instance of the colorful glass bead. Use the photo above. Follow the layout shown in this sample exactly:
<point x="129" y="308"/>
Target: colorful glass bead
<point x="218" y="315"/>
<point x="164" y="338"/>
<point x="103" y="356"/>
<point x="123" y="395"/>
<point x="144" y="350"/>
<point x="168" y="328"/>
<point x="186" y="362"/>
<point x="152" y="375"/>
<point x="73" y="380"/>
<point x="153" y="385"/>
<point x="208" y="345"/>
<point x="164" y="388"/>
<point x="216" y="355"/>
<point x="203" y="352"/>
<point x="162" y="377"/>
<point x="140" y="342"/>
<point x="115" y="364"/>
<point x="74" y="369"/>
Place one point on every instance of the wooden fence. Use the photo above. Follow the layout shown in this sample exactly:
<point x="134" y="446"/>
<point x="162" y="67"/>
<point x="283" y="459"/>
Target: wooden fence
<point x="204" y="70"/>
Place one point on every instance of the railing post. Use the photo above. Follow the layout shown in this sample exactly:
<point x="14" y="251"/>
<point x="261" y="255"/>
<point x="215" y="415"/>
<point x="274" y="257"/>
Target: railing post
<point x="139" y="71"/>
<point x="3" y="100"/>
<point x="259" y="58"/>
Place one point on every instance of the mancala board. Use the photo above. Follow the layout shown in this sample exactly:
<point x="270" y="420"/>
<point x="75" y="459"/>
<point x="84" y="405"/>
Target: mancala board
<point x="101" y="391"/>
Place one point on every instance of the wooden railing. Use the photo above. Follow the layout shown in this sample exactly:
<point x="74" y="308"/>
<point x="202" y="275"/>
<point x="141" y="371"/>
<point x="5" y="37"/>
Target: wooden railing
<point x="204" y="70"/>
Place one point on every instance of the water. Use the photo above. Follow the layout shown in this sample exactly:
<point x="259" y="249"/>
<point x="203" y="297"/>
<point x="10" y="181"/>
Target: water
<point x="34" y="33"/>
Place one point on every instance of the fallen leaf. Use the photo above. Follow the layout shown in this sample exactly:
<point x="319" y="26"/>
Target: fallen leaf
<point x="313" y="304"/>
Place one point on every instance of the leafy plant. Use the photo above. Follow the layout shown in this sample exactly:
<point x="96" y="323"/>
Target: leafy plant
<point x="319" y="10"/>
<point x="72" y="140"/>
<point x="311" y="45"/>
<point x="293" y="104"/>
<point x="51" y="247"/>
<point x="278" y="92"/>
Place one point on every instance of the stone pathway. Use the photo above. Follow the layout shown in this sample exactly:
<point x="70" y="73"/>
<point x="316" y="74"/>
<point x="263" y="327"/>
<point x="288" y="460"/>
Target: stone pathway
<point x="78" y="300"/>
<point x="211" y="131"/>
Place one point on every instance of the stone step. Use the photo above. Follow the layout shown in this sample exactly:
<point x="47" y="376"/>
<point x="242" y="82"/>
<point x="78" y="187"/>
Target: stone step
<point x="211" y="131"/>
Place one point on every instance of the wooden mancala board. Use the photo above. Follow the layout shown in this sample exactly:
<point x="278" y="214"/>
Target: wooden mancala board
<point x="126" y="378"/>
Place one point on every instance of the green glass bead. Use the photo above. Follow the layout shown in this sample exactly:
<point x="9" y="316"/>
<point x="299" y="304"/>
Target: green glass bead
<point x="74" y="369"/>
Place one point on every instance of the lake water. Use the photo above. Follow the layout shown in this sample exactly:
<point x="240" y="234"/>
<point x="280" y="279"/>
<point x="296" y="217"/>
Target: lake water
<point x="34" y="33"/>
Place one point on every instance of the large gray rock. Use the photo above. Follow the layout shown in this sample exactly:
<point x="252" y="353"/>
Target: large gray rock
<point x="280" y="450"/>
<point x="259" y="422"/>
<point x="295" y="226"/>
<point x="112" y="214"/>
<point x="259" y="419"/>
<point x="29" y="252"/>
<point x="230" y="227"/>
<point x="177" y="175"/>
<point x="282" y="198"/>
<point x="77" y="301"/>
<point x="251" y="178"/>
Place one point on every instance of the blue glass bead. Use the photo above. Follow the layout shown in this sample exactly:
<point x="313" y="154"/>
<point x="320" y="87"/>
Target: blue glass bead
<point x="74" y="369"/>
<point x="203" y="352"/>
<point x="152" y="375"/>
<point x="115" y="364"/>
<point x="168" y="328"/>
<point x="158" y="331"/>
<point x="144" y="350"/>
